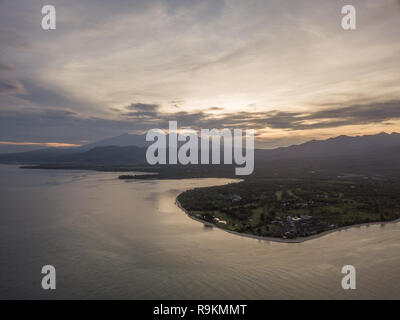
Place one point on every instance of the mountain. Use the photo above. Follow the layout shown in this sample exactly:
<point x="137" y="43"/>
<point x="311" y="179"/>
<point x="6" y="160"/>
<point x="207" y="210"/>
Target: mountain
<point x="53" y="155"/>
<point x="362" y="154"/>
<point x="108" y="155"/>
<point x="106" y="149"/>
<point x="343" y="146"/>
<point x="36" y="156"/>
<point x="369" y="154"/>
<point x="123" y="140"/>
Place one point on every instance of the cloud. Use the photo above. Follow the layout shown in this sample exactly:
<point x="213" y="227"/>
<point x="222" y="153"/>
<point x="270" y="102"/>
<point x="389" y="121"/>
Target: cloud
<point x="142" y="111"/>
<point x="41" y="144"/>
<point x="143" y="107"/>
<point x="203" y="11"/>
<point x="10" y="87"/>
<point x="46" y="96"/>
<point x="215" y="109"/>
<point x="5" y="67"/>
<point x="14" y="39"/>
<point x="270" y="64"/>
<point x="335" y="117"/>
<point x="327" y="118"/>
<point x="37" y="125"/>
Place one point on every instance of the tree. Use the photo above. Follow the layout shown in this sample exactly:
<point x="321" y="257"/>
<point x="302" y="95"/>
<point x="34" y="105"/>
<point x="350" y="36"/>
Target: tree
<point x="272" y="214"/>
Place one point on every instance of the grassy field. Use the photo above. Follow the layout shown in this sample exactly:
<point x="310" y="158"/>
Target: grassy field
<point x="263" y="203"/>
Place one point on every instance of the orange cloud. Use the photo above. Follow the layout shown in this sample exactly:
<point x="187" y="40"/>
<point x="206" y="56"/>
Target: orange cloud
<point x="43" y="144"/>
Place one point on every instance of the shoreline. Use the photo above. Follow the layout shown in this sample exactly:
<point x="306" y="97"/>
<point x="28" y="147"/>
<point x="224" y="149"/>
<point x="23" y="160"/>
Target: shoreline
<point x="281" y="240"/>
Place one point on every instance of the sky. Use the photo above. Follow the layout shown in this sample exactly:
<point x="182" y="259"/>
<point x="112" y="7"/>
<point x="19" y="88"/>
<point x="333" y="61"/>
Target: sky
<point x="286" y="69"/>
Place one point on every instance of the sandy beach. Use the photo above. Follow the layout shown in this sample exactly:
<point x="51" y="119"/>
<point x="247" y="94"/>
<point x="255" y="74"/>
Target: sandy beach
<point x="297" y="240"/>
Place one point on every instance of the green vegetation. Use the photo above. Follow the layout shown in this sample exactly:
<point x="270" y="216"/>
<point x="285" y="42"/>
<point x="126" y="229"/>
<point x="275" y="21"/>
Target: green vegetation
<point x="290" y="208"/>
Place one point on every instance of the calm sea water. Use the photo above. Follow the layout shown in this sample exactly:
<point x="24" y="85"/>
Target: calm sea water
<point x="112" y="239"/>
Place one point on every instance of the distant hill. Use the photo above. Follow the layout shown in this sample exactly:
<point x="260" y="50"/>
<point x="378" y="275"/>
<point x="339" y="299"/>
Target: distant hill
<point x="362" y="154"/>
<point x="338" y="146"/>
<point x="123" y="140"/>
<point x="36" y="156"/>
<point x="109" y="155"/>
<point x="369" y="154"/>
<point x="110" y="151"/>
<point x="53" y="155"/>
